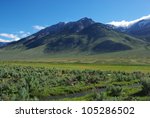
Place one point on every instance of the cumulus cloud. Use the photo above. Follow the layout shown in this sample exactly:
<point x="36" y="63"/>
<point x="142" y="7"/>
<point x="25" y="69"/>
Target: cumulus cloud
<point x="10" y="36"/>
<point x="38" y="27"/>
<point x="3" y="40"/>
<point x="6" y="37"/>
<point x="125" y="23"/>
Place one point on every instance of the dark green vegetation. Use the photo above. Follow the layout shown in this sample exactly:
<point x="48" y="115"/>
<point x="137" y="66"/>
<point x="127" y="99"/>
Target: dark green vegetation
<point x="56" y="81"/>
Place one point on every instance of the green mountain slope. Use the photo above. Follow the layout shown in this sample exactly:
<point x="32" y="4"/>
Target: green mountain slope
<point x="83" y="37"/>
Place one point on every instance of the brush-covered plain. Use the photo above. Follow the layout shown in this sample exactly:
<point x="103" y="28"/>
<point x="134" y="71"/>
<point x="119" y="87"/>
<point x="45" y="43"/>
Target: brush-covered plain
<point x="73" y="81"/>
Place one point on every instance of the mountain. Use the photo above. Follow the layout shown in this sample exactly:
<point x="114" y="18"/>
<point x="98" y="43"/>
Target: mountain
<point x="54" y="31"/>
<point x="139" y="29"/>
<point x="3" y="44"/>
<point x="65" y="28"/>
<point x="84" y="36"/>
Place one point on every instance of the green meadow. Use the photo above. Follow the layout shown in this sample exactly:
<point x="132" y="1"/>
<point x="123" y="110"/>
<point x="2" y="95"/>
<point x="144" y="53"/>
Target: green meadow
<point x="82" y="66"/>
<point x="25" y="80"/>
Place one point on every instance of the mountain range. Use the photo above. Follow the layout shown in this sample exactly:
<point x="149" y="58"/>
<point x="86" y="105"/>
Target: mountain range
<point x="139" y="29"/>
<point x="3" y="43"/>
<point x="82" y="36"/>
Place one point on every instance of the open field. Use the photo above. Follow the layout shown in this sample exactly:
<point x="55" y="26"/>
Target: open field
<point x="73" y="81"/>
<point x="82" y="66"/>
<point x="133" y="57"/>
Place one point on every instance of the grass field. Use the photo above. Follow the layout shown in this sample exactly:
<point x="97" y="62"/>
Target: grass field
<point x="82" y="66"/>
<point x="139" y="56"/>
<point x="22" y="80"/>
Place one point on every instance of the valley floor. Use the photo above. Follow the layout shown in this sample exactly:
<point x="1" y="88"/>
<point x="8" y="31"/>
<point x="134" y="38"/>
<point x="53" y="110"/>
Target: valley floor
<point x="73" y="81"/>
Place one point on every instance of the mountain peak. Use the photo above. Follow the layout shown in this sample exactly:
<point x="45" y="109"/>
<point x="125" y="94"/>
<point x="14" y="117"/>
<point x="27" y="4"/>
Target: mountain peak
<point x="86" y="19"/>
<point x="71" y="27"/>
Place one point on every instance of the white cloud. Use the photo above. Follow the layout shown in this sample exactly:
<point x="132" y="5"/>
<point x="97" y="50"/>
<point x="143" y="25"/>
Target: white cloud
<point x="120" y="23"/>
<point x="3" y="40"/>
<point x="11" y="36"/>
<point x="125" y="23"/>
<point x="6" y="37"/>
<point x="38" y="27"/>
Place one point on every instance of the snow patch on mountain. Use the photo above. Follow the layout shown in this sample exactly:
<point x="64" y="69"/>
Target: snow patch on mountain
<point x="128" y="24"/>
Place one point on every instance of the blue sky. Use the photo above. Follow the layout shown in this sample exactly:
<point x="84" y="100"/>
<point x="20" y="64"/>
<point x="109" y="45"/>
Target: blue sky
<point x="20" y="18"/>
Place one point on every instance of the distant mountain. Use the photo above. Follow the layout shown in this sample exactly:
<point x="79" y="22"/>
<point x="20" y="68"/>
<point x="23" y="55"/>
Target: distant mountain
<point x="3" y="44"/>
<point x="140" y="29"/>
<point x="82" y="36"/>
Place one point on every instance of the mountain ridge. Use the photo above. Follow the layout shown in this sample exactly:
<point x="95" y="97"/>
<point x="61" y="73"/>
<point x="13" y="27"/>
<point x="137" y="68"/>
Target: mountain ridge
<point x="139" y="29"/>
<point x="84" y="36"/>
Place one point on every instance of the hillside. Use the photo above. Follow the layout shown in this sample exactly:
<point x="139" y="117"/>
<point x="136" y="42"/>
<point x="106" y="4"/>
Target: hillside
<point x="82" y="37"/>
<point x="139" y="29"/>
